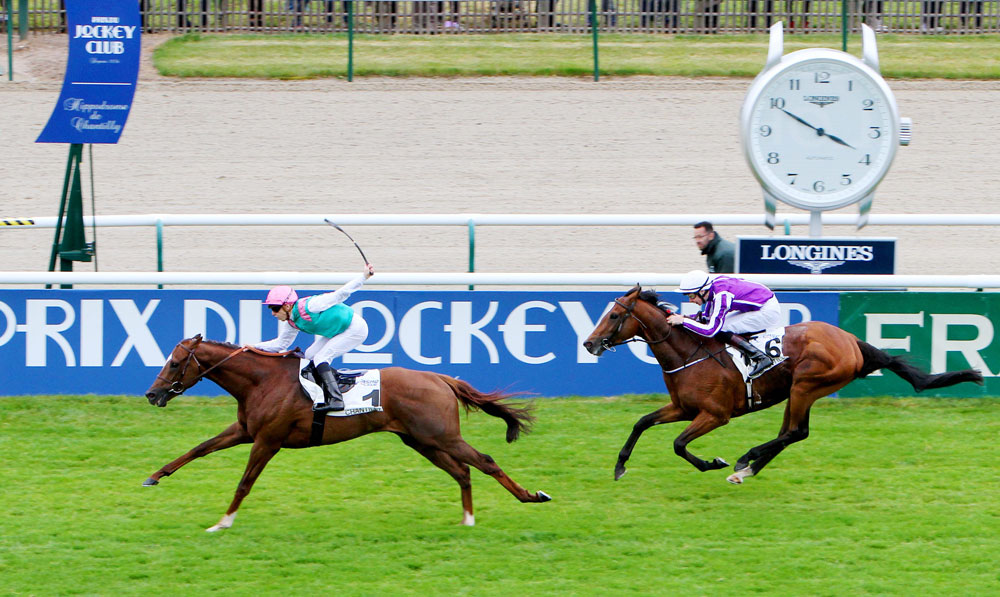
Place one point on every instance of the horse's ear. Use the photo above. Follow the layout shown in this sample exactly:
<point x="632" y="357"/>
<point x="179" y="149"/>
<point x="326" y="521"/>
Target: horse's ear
<point x="197" y="337"/>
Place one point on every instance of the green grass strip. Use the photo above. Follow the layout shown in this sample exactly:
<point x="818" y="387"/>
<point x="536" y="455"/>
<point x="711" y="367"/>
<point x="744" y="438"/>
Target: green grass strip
<point x="885" y="497"/>
<point x="307" y="56"/>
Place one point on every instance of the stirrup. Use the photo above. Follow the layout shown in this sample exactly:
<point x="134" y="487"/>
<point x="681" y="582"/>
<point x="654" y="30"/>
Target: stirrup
<point x="759" y="367"/>
<point x="334" y="405"/>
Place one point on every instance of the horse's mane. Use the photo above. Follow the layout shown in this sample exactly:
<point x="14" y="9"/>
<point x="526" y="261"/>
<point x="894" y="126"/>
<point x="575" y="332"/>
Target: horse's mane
<point x="650" y="296"/>
<point x="220" y="343"/>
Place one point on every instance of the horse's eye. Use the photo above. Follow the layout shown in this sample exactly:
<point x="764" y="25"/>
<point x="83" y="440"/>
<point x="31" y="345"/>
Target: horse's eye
<point x="173" y="364"/>
<point x="613" y="316"/>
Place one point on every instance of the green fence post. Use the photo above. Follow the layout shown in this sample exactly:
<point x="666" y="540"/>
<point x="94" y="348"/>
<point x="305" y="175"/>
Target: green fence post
<point x="10" y="42"/>
<point x="594" y="25"/>
<point x="843" y="25"/>
<point x="22" y="19"/>
<point x="350" y="40"/>
<point x="472" y="249"/>
<point x="788" y="227"/>
<point x="159" y="248"/>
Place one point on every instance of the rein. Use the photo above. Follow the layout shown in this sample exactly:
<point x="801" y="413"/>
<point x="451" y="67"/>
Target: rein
<point x="629" y="313"/>
<point x="177" y="386"/>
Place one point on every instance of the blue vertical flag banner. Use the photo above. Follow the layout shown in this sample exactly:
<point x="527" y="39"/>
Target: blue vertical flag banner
<point x="101" y="72"/>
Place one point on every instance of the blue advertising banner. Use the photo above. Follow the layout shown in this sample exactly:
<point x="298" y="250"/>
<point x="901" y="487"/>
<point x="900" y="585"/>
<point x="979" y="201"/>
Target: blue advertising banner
<point x="116" y="341"/>
<point x="101" y="72"/>
<point x="800" y="255"/>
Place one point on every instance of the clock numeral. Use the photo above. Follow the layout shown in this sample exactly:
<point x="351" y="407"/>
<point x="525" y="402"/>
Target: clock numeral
<point x="793" y="84"/>
<point x="875" y="132"/>
<point x="821" y="77"/>
<point x="867" y="160"/>
<point x="818" y="186"/>
<point x="867" y="105"/>
<point x="765" y="130"/>
<point x="772" y="158"/>
<point x="845" y="179"/>
<point x="792" y="175"/>
<point x="777" y="102"/>
<point x="850" y="85"/>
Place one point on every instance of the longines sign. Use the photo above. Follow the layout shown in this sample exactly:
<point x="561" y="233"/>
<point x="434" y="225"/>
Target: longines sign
<point x="800" y="255"/>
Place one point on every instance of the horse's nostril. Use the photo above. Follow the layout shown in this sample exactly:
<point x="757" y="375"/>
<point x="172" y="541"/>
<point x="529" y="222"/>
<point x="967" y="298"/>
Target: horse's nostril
<point x="150" y="395"/>
<point x="588" y="344"/>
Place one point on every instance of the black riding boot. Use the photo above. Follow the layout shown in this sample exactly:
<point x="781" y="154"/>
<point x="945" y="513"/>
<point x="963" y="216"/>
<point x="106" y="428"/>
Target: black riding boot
<point x="329" y="381"/>
<point x="759" y="359"/>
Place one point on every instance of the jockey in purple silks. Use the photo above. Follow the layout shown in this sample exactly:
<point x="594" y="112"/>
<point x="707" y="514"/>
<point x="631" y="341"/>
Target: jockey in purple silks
<point x="338" y="329"/>
<point x="729" y="306"/>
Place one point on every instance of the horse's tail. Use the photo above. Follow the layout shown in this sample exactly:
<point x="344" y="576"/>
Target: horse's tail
<point x="875" y="359"/>
<point x="518" y="418"/>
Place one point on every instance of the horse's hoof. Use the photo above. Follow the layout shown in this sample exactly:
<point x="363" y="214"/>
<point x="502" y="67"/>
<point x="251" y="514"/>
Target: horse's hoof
<point x="721" y="463"/>
<point x="150" y="482"/>
<point x="735" y="479"/>
<point x="544" y="497"/>
<point x="619" y="472"/>
<point x="740" y="466"/>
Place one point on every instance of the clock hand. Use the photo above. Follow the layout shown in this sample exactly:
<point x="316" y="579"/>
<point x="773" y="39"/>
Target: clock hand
<point x="834" y="138"/>
<point x="799" y="119"/>
<point x="819" y="131"/>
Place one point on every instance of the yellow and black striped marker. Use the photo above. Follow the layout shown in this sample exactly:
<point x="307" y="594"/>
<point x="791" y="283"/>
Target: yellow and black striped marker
<point x="9" y="222"/>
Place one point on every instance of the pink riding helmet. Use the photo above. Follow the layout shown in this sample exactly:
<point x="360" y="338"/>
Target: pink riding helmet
<point x="281" y="295"/>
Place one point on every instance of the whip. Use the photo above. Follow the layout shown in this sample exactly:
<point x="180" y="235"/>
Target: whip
<point x="348" y="236"/>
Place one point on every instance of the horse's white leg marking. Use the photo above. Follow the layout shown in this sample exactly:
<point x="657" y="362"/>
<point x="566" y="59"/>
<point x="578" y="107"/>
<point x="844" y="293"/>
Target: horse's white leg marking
<point x="225" y="523"/>
<point x="737" y="477"/>
<point x="468" y="519"/>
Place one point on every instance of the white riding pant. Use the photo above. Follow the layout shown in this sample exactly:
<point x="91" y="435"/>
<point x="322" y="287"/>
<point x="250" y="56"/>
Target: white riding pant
<point x="324" y="349"/>
<point x="767" y="317"/>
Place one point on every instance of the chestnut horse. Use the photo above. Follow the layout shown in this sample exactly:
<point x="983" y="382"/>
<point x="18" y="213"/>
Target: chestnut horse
<point x="707" y="389"/>
<point x="273" y="412"/>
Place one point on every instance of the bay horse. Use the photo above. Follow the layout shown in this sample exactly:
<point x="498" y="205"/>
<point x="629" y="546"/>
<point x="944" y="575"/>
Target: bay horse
<point x="273" y="412"/>
<point x="707" y="389"/>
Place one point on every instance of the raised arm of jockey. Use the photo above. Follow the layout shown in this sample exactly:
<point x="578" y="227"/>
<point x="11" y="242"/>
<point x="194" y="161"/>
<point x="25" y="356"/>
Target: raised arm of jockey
<point x="322" y="302"/>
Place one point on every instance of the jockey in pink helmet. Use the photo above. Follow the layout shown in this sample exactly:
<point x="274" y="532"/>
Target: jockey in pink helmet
<point x="338" y="329"/>
<point x="730" y="306"/>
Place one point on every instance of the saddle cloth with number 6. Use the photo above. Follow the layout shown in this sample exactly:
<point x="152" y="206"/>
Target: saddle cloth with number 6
<point x="769" y="342"/>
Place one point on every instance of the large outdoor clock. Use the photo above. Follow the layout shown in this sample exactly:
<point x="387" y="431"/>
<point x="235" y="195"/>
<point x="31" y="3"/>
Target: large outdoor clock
<point x="820" y="128"/>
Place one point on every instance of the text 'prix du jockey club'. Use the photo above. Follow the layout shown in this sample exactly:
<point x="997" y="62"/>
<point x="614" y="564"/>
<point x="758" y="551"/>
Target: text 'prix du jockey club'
<point x="103" y="36"/>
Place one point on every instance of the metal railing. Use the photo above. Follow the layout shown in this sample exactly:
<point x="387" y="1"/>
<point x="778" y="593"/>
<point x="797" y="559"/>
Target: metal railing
<point x="522" y="16"/>
<point x="471" y="221"/>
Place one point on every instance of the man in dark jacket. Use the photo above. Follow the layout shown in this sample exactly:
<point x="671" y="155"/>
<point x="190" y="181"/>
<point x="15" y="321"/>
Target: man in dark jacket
<point x="720" y="255"/>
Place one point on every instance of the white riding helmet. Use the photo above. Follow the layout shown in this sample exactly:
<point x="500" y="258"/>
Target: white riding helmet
<point x="694" y="281"/>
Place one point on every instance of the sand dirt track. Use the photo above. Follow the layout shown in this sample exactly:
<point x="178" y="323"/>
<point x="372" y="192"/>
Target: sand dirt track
<point x="487" y="145"/>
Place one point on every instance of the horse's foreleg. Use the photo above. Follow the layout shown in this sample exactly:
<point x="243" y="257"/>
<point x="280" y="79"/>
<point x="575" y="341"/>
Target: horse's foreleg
<point x="232" y="436"/>
<point x="666" y="414"/>
<point x="702" y="424"/>
<point x="458" y="470"/>
<point x="463" y="452"/>
<point x="260" y="455"/>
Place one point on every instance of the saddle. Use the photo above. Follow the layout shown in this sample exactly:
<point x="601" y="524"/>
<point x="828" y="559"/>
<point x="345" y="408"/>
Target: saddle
<point x="346" y="378"/>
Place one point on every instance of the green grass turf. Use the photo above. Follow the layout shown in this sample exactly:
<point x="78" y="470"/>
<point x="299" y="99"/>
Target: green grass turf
<point x="310" y="56"/>
<point x="886" y="497"/>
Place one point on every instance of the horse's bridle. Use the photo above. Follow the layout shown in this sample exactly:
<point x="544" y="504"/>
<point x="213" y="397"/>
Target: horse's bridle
<point x="177" y="386"/>
<point x="621" y="322"/>
<point x="629" y="313"/>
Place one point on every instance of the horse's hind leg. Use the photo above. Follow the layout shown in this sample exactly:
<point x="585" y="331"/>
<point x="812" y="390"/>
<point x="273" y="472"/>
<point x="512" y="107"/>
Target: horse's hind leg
<point x="795" y="428"/>
<point x="458" y="470"/>
<point x="463" y="452"/>
<point x="234" y="435"/>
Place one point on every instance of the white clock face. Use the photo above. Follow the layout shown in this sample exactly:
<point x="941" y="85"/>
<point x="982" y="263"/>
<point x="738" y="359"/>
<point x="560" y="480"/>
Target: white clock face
<point x="821" y="134"/>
